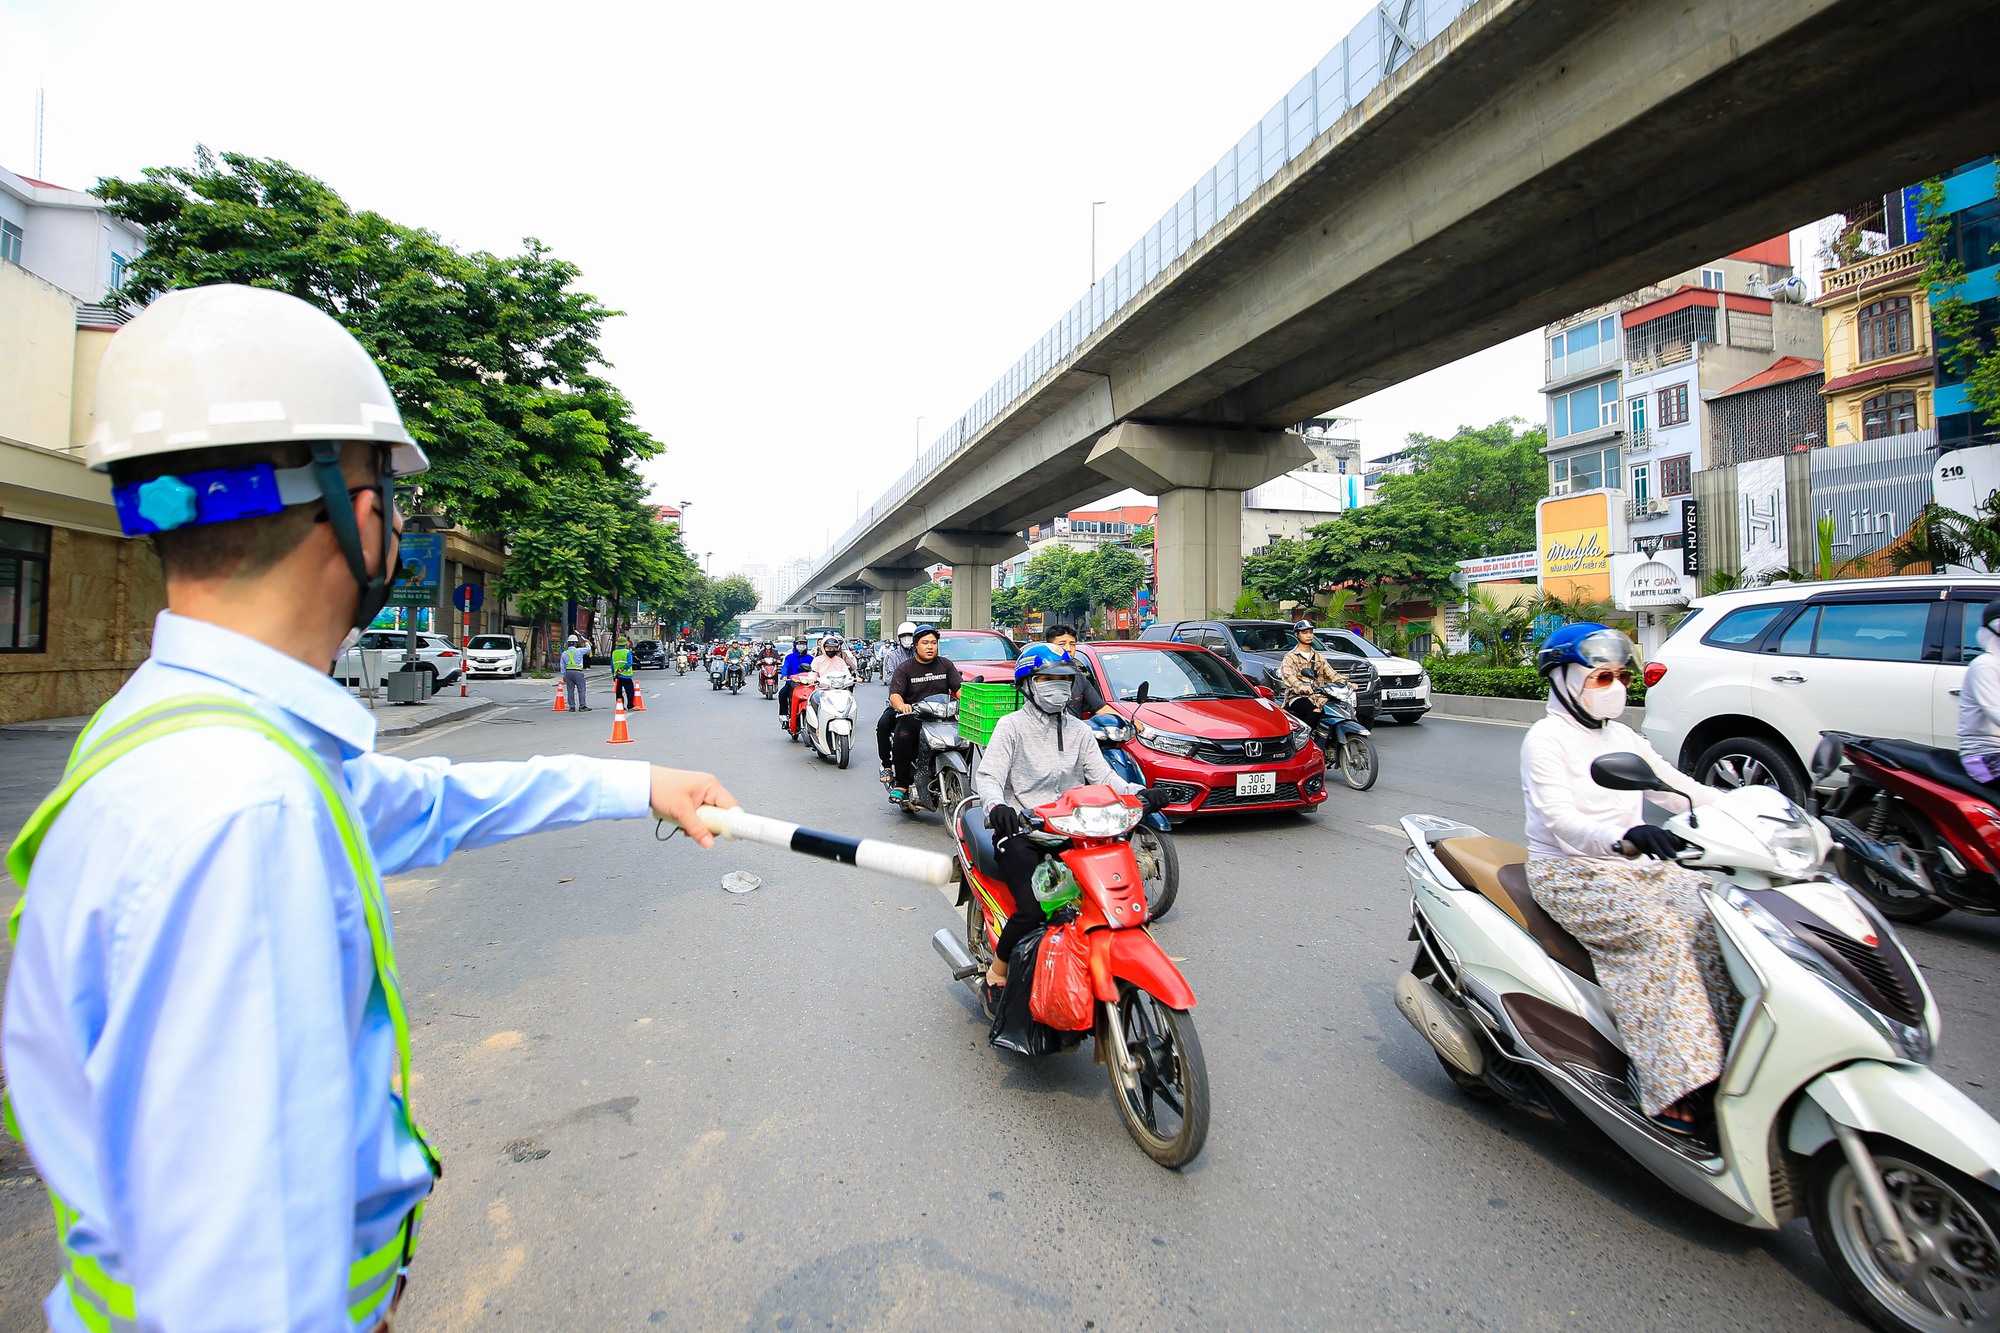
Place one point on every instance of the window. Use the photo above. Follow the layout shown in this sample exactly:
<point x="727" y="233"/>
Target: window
<point x="1676" y="476"/>
<point x="1635" y="417"/>
<point x="1585" y="409"/>
<point x="1173" y="675"/>
<point x="1586" y="471"/>
<point x="119" y="266"/>
<point x="1892" y="413"/>
<point x="1797" y="640"/>
<point x="1883" y="329"/>
<point x="10" y="242"/>
<point x="1712" y="278"/>
<point x="1674" y="405"/>
<point x="1641" y="488"/>
<point x="1583" y="347"/>
<point x="1744" y="627"/>
<point x="24" y="582"/>
<point x="1873" y="631"/>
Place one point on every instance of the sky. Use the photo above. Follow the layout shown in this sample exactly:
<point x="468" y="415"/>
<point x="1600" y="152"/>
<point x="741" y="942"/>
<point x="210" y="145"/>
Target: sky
<point x="829" y="228"/>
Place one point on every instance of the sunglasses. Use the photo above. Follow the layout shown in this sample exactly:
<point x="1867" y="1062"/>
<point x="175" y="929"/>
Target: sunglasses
<point x="1605" y="675"/>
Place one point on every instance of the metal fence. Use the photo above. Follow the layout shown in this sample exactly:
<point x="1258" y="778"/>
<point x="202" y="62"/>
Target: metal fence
<point x="1379" y="45"/>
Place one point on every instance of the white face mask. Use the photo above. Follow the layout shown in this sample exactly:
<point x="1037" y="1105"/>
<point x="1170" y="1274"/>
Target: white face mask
<point x="906" y="640"/>
<point x="1604" y="702"/>
<point x="1050" y="696"/>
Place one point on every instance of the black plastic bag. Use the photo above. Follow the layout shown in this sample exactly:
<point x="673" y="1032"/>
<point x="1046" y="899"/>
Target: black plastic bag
<point x="1014" y="1028"/>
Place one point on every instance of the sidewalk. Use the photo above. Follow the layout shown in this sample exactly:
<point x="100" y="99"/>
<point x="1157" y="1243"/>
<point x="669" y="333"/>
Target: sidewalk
<point x="390" y="719"/>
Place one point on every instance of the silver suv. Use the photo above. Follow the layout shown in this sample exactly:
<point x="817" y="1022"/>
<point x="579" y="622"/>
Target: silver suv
<point x="1741" y="690"/>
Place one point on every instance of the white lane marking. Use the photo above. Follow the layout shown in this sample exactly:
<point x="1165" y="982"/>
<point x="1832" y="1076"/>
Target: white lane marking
<point x="1392" y="832"/>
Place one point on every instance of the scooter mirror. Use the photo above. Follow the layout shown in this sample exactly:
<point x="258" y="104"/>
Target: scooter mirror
<point x="1826" y="758"/>
<point x="1625" y="772"/>
<point x="1145" y="692"/>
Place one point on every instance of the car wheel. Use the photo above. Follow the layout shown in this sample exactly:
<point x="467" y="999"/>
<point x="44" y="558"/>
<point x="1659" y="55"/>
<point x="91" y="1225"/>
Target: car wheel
<point x="1751" y="761"/>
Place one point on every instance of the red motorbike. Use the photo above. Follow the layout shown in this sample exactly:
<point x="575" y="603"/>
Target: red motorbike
<point x="767" y="676"/>
<point x="803" y="685"/>
<point x="1916" y="833"/>
<point x="1142" y="1030"/>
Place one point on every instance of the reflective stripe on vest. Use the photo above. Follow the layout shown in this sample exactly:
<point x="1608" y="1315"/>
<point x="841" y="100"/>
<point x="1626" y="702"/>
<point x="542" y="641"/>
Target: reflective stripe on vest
<point x="104" y="1303"/>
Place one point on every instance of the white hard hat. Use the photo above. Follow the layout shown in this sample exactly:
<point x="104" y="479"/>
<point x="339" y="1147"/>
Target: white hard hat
<point x="907" y="627"/>
<point x="212" y="367"/>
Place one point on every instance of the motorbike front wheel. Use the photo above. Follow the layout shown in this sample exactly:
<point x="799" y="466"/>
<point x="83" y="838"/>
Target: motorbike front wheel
<point x="1356" y="755"/>
<point x="1952" y="1220"/>
<point x="1160" y="867"/>
<point x="841" y="746"/>
<point x="1164" y="1100"/>
<point x="951" y="789"/>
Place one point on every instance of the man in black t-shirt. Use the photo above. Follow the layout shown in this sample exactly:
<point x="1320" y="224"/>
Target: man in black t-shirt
<point x="925" y="674"/>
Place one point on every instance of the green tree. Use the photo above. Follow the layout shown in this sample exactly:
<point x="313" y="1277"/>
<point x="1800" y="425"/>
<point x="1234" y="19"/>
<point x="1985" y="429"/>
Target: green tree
<point x="1415" y="547"/>
<point x="1968" y="345"/>
<point x="1142" y="536"/>
<point x="1285" y="572"/>
<point x="1010" y="605"/>
<point x="1114" y="576"/>
<point x="1487" y="478"/>
<point x="1057" y="583"/>
<point x="493" y="360"/>
<point x="931" y="597"/>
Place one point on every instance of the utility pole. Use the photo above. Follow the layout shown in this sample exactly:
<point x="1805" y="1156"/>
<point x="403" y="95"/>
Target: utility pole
<point x="41" y="127"/>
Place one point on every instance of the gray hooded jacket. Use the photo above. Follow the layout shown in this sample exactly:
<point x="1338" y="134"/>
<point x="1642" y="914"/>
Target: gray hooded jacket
<point x="1034" y="757"/>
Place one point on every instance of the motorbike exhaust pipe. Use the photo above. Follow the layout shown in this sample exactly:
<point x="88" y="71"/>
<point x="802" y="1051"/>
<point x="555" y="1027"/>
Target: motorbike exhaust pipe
<point x="1451" y="1032"/>
<point x="955" y="957"/>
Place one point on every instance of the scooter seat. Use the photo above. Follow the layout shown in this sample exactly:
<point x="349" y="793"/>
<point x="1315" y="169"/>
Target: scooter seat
<point x="1940" y="766"/>
<point x="979" y="841"/>
<point x="1498" y="871"/>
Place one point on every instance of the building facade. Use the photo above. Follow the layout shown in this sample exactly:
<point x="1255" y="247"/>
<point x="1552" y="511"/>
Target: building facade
<point x="1972" y="214"/>
<point x="1881" y="363"/>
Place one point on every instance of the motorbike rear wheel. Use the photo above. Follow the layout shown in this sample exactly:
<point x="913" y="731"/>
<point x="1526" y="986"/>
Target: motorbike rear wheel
<point x="1164" y="1101"/>
<point x="1951" y="1219"/>
<point x="1892" y="900"/>
<point x="1358" y="766"/>
<point x="1160" y="865"/>
<point x="975" y="924"/>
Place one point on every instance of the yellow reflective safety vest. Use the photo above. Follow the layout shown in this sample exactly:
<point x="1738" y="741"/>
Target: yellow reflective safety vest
<point x="102" y="1302"/>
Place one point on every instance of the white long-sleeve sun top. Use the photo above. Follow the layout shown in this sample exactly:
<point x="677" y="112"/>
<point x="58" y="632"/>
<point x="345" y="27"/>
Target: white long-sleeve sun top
<point x="1569" y="815"/>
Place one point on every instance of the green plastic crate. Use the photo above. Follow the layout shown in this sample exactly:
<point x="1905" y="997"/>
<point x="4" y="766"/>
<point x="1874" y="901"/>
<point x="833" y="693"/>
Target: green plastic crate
<point x="981" y="706"/>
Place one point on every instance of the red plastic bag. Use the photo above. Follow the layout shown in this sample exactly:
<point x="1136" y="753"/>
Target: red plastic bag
<point x="1060" y="995"/>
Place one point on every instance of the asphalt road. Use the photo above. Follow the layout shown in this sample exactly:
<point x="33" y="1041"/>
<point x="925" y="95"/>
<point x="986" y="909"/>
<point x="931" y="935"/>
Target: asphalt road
<point x="663" y="1105"/>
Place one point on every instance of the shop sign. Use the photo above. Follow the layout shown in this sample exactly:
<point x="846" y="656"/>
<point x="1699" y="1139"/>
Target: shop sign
<point x="1575" y="537"/>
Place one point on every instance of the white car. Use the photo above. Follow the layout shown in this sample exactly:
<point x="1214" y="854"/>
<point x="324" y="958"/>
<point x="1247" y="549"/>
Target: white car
<point x="381" y="651"/>
<point x="1742" y="688"/>
<point x="494" y="655"/>
<point x="1405" y="685"/>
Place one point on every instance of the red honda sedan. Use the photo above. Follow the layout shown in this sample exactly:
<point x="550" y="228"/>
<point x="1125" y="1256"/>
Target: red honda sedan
<point x="1206" y="736"/>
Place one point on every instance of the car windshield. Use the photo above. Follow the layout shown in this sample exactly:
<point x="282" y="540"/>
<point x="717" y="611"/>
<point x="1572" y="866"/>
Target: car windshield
<point x="1330" y="641"/>
<point x="492" y="641"/>
<point x="1264" y="638"/>
<point x="1174" y="675"/>
<point x="977" y="647"/>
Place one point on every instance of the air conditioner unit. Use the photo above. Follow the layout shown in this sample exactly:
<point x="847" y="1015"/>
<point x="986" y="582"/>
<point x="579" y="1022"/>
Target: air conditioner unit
<point x="1655" y="507"/>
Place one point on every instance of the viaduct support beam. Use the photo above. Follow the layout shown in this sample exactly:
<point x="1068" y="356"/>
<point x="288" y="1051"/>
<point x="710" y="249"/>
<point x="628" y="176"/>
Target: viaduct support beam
<point x="853" y="620"/>
<point x="1199" y="474"/>
<point x="894" y="584"/>
<point x="971" y="556"/>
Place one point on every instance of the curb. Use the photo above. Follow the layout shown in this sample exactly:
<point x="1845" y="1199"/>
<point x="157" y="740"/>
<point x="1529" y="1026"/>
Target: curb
<point x="415" y="721"/>
<point x="1480" y="708"/>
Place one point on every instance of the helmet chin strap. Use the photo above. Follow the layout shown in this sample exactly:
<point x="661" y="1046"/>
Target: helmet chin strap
<point x="1576" y="710"/>
<point x="373" y="588"/>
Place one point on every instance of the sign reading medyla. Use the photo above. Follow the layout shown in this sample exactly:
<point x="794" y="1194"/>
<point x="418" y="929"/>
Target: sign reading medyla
<point x="1574" y="538"/>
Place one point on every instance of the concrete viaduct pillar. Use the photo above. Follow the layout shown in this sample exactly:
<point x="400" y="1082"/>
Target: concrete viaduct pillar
<point x="854" y="619"/>
<point x="1199" y="473"/>
<point x="971" y="556"/>
<point x="894" y="584"/>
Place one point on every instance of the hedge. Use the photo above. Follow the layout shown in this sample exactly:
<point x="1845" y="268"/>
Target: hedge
<point x="1457" y="676"/>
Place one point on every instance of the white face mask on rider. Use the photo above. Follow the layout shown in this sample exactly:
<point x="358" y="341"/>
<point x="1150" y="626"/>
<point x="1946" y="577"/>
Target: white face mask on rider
<point x="1603" y="702"/>
<point x="1050" y="696"/>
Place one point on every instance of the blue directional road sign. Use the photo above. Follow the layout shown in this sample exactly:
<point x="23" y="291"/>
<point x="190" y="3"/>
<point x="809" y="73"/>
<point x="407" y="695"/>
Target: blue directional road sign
<point x="468" y="597"/>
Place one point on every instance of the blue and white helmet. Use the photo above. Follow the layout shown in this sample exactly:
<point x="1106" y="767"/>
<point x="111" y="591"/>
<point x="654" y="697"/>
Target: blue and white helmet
<point x="1588" y="645"/>
<point x="1038" y="657"/>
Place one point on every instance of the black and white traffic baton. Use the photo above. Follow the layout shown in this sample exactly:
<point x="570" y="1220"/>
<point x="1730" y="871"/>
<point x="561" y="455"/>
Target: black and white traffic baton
<point x="885" y="858"/>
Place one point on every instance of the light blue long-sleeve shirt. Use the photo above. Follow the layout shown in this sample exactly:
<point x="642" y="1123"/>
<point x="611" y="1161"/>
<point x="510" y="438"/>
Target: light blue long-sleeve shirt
<point x="196" y="1046"/>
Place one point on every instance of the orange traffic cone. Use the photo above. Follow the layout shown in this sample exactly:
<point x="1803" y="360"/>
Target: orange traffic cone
<point x="619" y="736"/>
<point x="560" y="707"/>
<point x="638" y="696"/>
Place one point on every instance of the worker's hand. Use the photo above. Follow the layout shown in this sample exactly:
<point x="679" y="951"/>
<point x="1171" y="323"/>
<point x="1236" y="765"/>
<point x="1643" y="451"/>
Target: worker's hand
<point x="679" y="794"/>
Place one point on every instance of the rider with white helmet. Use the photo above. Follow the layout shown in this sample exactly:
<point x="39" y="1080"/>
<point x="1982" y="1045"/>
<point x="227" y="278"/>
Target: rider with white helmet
<point x="893" y="656"/>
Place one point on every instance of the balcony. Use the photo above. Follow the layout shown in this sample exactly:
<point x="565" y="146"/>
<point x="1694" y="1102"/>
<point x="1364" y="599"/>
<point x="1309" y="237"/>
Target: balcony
<point x="1576" y="363"/>
<point x="1646" y="360"/>
<point x="1638" y="441"/>
<point x="1866" y="273"/>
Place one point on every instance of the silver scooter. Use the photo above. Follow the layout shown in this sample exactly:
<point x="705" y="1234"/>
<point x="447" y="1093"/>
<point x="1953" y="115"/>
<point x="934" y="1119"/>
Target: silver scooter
<point x="1826" y="1106"/>
<point x="828" y="720"/>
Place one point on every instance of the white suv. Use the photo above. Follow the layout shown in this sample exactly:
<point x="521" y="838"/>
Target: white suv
<point x="1743" y="687"/>
<point x="381" y="651"/>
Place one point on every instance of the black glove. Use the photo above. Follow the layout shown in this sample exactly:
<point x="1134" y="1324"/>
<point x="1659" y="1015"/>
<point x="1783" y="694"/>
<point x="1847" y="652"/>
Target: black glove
<point x="1004" y="820"/>
<point x="1651" y="840"/>
<point x="1154" y="801"/>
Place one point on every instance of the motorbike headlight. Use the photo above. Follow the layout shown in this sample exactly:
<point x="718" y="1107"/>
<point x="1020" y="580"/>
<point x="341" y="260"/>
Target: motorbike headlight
<point x="1098" y="821"/>
<point x="1914" y="1043"/>
<point x="1112" y="732"/>
<point x="1795" y="846"/>
<point x="1166" y="742"/>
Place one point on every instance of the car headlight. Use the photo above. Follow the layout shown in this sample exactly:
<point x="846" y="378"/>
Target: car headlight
<point x="1098" y="821"/>
<point x="1300" y="731"/>
<point x="1166" y="742"/>
<point x="1914" y="1043"/>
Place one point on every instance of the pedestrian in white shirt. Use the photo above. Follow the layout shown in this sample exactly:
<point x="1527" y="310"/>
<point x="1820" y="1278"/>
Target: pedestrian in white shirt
<point x="1643" y="922"/>
<point x="206" y="1044"/>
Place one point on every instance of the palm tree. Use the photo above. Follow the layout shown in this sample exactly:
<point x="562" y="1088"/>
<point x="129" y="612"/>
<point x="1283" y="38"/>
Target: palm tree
<point x="1498" y="632"/>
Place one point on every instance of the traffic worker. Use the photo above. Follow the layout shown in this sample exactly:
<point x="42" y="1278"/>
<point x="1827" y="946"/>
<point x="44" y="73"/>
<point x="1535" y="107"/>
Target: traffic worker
<point x="574" y="658"/>
<point x="621" y="670"/>
<point x="206" y="1043"/>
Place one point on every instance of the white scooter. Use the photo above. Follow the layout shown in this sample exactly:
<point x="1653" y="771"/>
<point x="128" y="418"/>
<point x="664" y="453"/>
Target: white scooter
<point x="1826" y="1106"/>
<point x="829" y="716"/>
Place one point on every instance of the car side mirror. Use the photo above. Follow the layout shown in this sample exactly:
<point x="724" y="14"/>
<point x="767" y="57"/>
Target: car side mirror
<point x="1266" y="692"/>
<point x="1145" y="692"/>
<point x="1625" y="772"/>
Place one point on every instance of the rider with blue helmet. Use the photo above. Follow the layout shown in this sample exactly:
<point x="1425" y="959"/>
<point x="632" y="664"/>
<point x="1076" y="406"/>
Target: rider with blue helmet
<point x="1608" y="878"/>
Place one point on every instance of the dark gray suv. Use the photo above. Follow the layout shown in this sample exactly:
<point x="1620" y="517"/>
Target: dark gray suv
<point x="1256" y="647"/>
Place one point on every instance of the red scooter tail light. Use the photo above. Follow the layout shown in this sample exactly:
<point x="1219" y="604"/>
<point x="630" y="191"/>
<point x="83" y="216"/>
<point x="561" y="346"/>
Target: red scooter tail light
<point x="1654" y="672"/>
